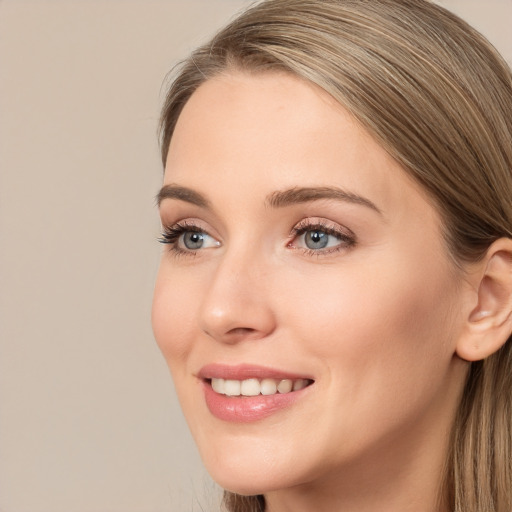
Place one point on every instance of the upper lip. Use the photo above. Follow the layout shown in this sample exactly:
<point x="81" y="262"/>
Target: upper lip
<point x="246" y="371"/>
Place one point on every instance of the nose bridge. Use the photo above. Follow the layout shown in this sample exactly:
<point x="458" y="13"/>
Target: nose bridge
<point x="235" y="305"/>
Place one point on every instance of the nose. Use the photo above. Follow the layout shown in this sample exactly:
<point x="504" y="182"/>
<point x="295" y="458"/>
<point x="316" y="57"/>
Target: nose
<point x="236" y="305"/>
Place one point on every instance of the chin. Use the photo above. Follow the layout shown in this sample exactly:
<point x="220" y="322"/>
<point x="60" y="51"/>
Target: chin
<point x="259" y="470"/>
<point x="240" y="472"/>
<point x="248" y="483"/>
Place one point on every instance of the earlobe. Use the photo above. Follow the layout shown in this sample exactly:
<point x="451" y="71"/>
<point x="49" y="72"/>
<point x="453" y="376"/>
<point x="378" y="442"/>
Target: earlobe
<point x="489" y="323"/>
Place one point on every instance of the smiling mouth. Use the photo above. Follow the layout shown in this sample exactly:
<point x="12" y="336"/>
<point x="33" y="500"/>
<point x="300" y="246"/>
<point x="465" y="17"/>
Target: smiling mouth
<point x="255" y="387"/>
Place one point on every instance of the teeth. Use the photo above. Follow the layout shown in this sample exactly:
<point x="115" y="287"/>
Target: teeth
<point x="285" y="386"/>
<point x="299" y="384"/>
<point x="250" y="387"/>
<point x="268" y="387"/>
<point x="232" y="387"/>
<point x="254" y="387"/>
<point x="218" y="385"/>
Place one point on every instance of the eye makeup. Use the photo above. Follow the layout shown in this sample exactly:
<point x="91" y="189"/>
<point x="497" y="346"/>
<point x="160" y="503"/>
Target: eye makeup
<point x="311" y="236"/>
<point x="320" y="237"/>
<point x="187" y="238"/>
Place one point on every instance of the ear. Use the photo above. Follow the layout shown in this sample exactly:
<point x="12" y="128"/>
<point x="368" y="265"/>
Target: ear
<point x="489" y="323"/>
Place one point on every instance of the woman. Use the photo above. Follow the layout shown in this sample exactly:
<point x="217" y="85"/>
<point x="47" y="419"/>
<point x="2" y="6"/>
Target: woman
<point x="335" y="302"/>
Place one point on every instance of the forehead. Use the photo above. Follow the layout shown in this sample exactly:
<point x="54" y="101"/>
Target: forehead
<point x="264" y="105"/>
<point x="265" y="132"/>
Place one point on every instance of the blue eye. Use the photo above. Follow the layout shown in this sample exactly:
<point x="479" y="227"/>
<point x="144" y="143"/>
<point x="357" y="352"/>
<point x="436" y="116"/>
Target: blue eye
<point x="321" y="239"/>
<point x="316" y="239"/>
<point x="187" y="239"/>
<point x="193" y="240"/>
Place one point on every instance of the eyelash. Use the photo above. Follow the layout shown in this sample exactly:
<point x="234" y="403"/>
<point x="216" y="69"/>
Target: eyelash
<point x="345" y="237"/>
<point x="171" y="235"/>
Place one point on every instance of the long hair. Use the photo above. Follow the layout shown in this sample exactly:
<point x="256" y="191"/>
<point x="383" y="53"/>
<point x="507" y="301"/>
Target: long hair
<point x="437" y="96"/>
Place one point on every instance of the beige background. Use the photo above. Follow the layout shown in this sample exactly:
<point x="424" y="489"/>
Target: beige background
<point x="88" y="419"/>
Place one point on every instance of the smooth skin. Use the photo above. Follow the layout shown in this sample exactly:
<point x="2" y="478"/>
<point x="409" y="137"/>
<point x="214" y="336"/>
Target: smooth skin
<point x="375" y="317"/>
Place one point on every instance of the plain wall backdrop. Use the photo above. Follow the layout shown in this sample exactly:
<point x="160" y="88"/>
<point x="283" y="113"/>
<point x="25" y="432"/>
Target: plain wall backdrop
<point x="88" y="417"/>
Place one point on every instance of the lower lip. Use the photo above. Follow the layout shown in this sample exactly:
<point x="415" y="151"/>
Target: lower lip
<point x="245" y="409"/>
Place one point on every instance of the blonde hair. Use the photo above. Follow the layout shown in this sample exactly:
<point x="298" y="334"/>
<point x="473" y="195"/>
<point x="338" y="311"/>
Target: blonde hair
<point x="438" y="97"/>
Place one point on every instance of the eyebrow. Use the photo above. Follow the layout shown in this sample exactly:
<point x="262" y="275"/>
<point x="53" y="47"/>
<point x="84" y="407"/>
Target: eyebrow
<point x="297" y="195"/>
<point x="188" y="195"/>
<point x="278" y="199"/>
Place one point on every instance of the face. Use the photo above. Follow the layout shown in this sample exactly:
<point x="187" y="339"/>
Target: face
<point x="305" y="302"/>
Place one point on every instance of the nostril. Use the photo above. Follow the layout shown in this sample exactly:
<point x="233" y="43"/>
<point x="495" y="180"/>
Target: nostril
<point x="240" y="331"/>
<point x="238" y="334"/>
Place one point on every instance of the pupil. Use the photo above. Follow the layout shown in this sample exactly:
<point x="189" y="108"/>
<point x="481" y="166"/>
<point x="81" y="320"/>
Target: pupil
<point x="316" y="239"/>
<point x="193" y="240"/>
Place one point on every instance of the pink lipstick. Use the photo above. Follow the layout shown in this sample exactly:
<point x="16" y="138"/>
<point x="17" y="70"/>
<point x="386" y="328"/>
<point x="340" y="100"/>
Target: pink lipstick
<point x="246" y="393"/>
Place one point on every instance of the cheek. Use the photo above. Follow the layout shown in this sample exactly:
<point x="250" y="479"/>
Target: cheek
<point x="372" y="321"/>
<point x="381" y="343"/>
<point x="173" y="321"/>
<point x="172" y="317"/>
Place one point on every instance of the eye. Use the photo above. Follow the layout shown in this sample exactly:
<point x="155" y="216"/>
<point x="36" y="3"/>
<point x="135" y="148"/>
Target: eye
<point x="318" y="239"/>
<point x="321" y="237"/>
<point x="187" y="238"/>
<point x="193" y="240"/>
